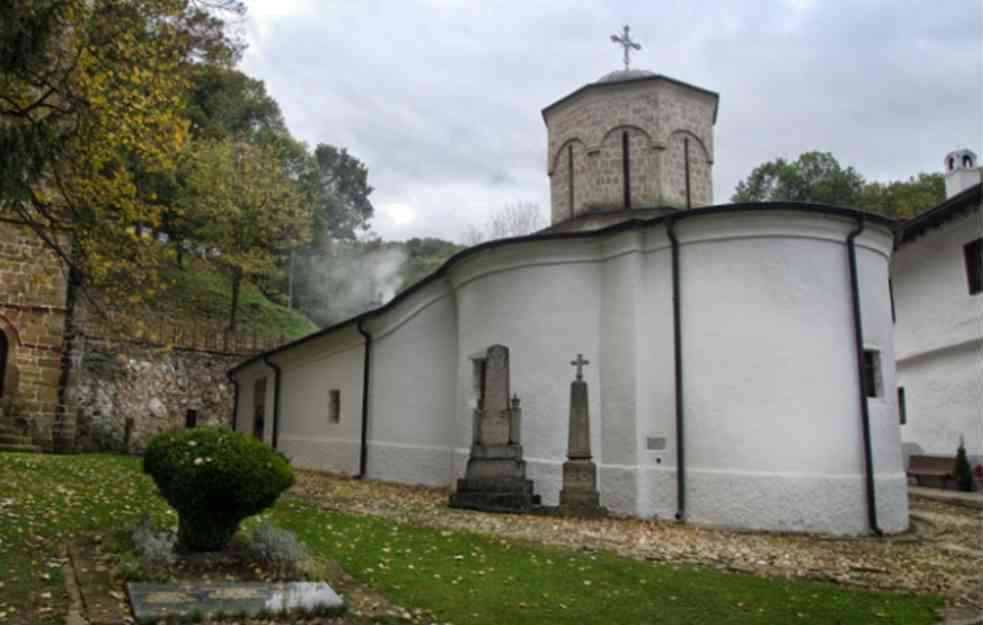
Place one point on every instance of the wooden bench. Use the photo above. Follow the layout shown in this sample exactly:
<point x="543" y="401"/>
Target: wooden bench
<point x="943" y="467"/>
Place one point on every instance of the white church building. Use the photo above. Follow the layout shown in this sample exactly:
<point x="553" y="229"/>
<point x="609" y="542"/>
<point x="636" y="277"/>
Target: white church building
<point x="742" y="356"/>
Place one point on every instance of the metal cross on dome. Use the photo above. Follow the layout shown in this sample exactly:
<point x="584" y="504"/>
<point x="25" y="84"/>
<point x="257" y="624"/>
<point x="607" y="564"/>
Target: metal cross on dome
<point x="629" y="45"/>
<point x="579" y="363"/>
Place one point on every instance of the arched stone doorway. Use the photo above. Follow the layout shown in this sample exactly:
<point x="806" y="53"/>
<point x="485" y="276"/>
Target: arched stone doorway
<point x="8" y="359"/>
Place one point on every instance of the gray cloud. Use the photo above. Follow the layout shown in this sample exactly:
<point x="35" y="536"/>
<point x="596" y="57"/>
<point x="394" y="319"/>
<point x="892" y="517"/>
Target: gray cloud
<point x="442" y="99"/>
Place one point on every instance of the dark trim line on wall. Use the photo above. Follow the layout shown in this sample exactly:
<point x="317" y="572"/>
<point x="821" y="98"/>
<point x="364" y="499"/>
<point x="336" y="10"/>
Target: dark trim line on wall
<point x="689" y="199"/>
<point x="677" y="342"/>
<point x="858" y="334"/>
<point x="235" y="401"/>
<point x="626" y="168"/>
<point x="570" y="182"/>
<point x="363" y="454"/>
<point x="276" y="397"/>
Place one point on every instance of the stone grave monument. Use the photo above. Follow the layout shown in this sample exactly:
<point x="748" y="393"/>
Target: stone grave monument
<point x="495" y="479"/>
<point x="170" y="603"/>
<point x="579" y="496"/>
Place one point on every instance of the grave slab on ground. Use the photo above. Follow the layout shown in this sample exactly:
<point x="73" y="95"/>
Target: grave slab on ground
<point x="155" y="602"/>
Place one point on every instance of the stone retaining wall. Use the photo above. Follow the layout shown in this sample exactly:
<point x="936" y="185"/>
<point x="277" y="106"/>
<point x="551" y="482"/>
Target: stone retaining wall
<point x="149" y="388"/>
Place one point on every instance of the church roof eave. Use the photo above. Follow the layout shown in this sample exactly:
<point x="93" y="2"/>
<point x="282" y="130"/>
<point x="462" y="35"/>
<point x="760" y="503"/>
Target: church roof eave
<point x="632" y="224"/>
<point x="946" y="211"/>
<point x="652" y="77"/>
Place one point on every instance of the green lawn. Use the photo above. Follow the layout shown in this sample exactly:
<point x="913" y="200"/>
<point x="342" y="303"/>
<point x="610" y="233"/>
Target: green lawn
<point x="458" y="577"/>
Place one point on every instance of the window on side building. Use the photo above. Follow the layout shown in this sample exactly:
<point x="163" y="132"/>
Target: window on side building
<point x="334" y="406"/>
<point x="902" y="409"/>
<point x="973" y="253"/>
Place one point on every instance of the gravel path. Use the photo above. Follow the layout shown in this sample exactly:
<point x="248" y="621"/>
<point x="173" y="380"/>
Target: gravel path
<point x="942" y="553"/>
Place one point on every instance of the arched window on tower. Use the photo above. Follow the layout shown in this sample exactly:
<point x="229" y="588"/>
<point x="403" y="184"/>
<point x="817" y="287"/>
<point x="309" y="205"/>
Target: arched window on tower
<point x="967" y="160"/>
<point x="952" y="163"/>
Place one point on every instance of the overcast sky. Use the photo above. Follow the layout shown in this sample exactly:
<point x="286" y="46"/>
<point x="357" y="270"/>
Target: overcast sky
<point x="442" y="99"/>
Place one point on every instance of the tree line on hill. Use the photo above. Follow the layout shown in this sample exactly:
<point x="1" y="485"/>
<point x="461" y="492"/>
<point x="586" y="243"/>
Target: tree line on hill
<point x="127" y="129"/>
<point x="818" y="177"/>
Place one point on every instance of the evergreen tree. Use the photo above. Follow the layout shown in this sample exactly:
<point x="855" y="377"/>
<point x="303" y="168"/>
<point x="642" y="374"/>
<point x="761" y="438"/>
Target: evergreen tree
<point x="964" y="472"/>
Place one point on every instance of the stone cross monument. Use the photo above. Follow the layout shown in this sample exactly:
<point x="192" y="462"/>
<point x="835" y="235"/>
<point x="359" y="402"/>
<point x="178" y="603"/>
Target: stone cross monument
<point x="495" y="479"/>
<point x="579" y="495"/>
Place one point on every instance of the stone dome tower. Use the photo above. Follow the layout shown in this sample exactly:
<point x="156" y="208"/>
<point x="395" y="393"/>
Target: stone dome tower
<point x="618" y="149"/>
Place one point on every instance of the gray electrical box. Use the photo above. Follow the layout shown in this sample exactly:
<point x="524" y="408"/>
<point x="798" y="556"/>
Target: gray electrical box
<point x="655" y="443"/>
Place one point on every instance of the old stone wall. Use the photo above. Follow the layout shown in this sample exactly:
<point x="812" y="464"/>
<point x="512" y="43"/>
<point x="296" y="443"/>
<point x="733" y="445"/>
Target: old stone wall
<point x="32" y="320"/>
<point x="149" y="388"/>
<point x="700" y="176"/>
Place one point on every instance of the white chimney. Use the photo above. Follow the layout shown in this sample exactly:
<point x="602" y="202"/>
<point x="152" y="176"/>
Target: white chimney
<point x="961" y="172"/>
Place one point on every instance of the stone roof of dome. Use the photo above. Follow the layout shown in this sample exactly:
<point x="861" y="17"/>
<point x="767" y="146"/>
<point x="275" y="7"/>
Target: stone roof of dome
<point x="625" y="74"/>
<point x="632" y="75"/>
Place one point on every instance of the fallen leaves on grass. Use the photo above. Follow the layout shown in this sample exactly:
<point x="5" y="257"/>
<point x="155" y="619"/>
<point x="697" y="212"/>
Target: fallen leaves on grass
<point x="916" y="561"/>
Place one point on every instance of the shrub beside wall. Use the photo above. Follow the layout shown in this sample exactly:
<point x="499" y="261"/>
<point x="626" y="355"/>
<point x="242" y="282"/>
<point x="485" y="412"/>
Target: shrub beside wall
<point x="215" y="478"/>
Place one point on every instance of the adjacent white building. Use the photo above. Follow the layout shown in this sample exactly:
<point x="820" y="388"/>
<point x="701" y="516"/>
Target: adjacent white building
<point x="723" y="340"/>
<point x="937" y="283"/>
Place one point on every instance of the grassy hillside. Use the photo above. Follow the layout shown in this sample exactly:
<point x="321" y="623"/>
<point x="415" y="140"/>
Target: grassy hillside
<point x="199" y="292"/>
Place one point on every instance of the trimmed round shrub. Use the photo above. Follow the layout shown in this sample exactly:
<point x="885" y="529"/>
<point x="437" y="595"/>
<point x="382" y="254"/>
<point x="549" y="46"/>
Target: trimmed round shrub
<point x="215" y="478"/>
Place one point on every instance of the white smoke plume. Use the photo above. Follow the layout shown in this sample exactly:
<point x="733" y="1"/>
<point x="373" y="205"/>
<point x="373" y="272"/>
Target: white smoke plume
<point x="345" y="279"/>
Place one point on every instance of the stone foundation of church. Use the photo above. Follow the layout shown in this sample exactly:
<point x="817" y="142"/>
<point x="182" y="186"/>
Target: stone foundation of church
<point x="716" y="498"/>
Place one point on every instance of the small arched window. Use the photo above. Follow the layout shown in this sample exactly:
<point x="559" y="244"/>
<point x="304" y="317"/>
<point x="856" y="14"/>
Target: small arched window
<point x="967" y="161"/>
<point x="952" y="163"/>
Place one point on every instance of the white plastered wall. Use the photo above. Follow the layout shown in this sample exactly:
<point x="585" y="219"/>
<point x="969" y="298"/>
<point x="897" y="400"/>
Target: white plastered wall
<point x="413" y="387"/>
<point x="939" y="337"/>
<point x="773" y="427"/>
<point x="309" y="373"/>
<point x="545" y="308"/>
<point x="247" y="379"/>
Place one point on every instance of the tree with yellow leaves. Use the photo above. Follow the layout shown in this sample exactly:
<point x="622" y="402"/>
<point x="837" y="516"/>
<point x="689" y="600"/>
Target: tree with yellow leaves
<point x="244" y="209"/>
<point x="91" y="99"/>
